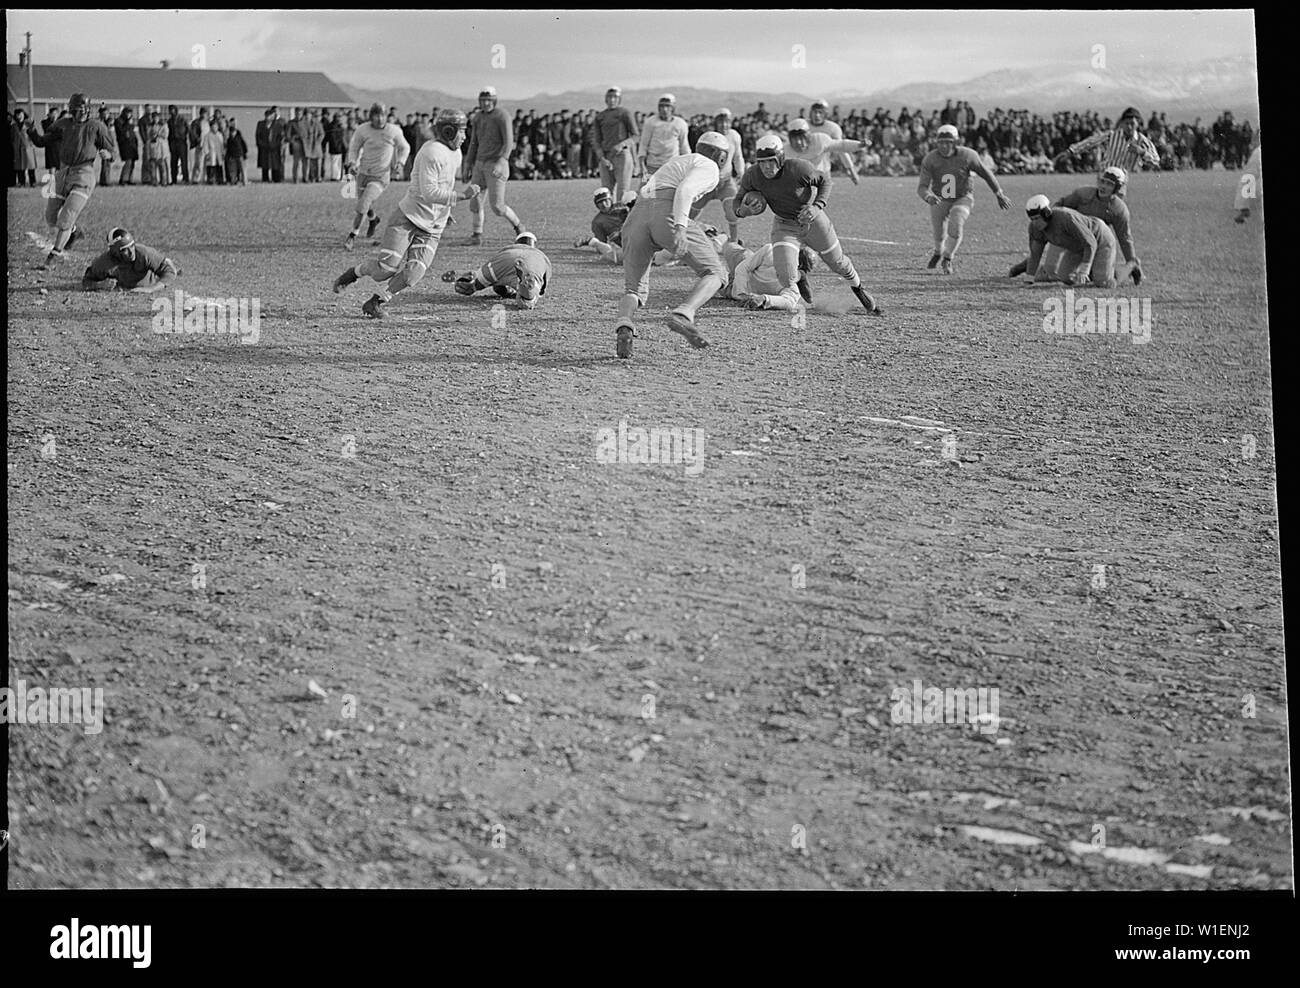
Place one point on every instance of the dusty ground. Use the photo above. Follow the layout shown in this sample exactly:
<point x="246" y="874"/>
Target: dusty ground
<point x="573" y="674"/>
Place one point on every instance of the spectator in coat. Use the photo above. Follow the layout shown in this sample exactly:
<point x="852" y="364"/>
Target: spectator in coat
<point x="24" y="151"/>
<point x="297" y="147"/>
<point x="178" y="144"/>
<point x="276" y="132"/>
<point x="159" y="151"/>
<point x="236" y="152"/>
<point x="335" y="147"/>
<point x="214" y="155"/>
<point x="105" y="164"/>
<point x="128" y="145"/>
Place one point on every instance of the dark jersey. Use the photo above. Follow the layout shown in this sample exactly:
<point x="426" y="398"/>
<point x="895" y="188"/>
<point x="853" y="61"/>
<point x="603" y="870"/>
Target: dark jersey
<point x="79" y="143"/>
<point x="797" y="185"/>
<point x="129" y="274"/>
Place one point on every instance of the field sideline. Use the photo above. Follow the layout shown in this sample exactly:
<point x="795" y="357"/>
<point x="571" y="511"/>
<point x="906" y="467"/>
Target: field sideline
<point x="574" y="674"/>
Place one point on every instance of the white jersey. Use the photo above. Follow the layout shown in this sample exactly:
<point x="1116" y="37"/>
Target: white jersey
<point x="752" y="272"/>
<point x="735" y="163"/>
<point x="832" y="130"/>
<point x="819" y="150"/>
<point x="432" y="191"/>
<point x="663" y="139"/>
<point x="376" y="147"/>
<point x="692" y="175"/>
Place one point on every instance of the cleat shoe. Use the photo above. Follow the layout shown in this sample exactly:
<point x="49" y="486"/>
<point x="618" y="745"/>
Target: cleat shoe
<point x="343" y="280"/>
<point x="374" y="225"/>
<point x="372" y="308"/>
<point x="449" y="276"/>
<point x="73" y="238"/>
<point x="804" y="291"/>
<point x="756" y="301"/>
<point x="934" y="260"/>
<point x="678" y="323"/>
<point x="946" y="266"/>
<point x="350" y="242"/>
<point x="54" y="257"/>
<point x="868" y="301"/>
<point x="475" y="240"/>
<point x="623" y="343"/>
<point x="582" y="242"/>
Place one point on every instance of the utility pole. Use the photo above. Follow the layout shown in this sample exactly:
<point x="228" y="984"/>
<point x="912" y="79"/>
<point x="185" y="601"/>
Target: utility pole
<point x="31" y="88"/>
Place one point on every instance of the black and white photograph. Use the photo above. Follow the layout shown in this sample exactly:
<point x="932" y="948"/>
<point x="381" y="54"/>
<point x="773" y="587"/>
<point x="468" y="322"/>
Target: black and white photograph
<point x="642" y="451"/>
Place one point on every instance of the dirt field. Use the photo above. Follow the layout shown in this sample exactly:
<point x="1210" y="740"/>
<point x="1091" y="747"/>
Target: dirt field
<point x="576" y="674"/>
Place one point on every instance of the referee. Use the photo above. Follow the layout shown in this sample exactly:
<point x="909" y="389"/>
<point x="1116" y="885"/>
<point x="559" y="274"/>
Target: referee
<point x="1124" y="147"/>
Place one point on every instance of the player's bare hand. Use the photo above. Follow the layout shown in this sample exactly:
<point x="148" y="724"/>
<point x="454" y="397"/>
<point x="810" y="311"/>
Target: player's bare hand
<point x="106" y="154"/>
<point x="1004" y="200"/>
<point x="605" y="162"/>
<point x="679" y="240"/>
<point x="931" y="199"/>
<point x="809" y="213"/>
<point x="470" y="192"/>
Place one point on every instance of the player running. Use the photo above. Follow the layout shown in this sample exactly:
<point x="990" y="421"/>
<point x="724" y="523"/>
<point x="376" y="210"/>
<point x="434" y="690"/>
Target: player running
<point x="129" y="266"/>
<point x="376" y="153"/>
<point x="82" y="142"/>
<point x="661" y="220"/>
<point x="411" y="238"/>
<point x="730" y="172"/>
<point x="808" y="145"/>
<point x="520" y="271"/>
<point x="797" y="193"/>
<point x="487" y="163"/>
<point x="1104" y="201"/>
<point x="946" y="188"/>
<point x="1088" y="245"/>
<point x="822" y="124"/>
<point x="663" y="138"/>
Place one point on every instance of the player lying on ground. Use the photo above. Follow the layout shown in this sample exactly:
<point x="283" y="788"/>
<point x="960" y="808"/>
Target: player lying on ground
<point x="797" y="193"/>
<point x="520" y="271"/>
<point x="376" y="154"/>
<point x="411" y="238"/>
<point x="1088" y="246"/>
<point x="661" y="221"/>
<point x="129" y="266"/>
<point x="947" y="189"/>
<point x="753" y="272"/>
<point x="82" y="142"/>
<point x="1104" y="201"/>
<point x="607" y="230"/>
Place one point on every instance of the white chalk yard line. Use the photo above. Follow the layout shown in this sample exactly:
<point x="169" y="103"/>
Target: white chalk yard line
<point x="868" y="240"/>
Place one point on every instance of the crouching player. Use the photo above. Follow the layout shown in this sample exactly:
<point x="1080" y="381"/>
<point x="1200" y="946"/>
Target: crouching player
<point x="1088" y="246"/>
<point x="410" y="240"/>
<point x="661" y="221"/>
<point x="520" y="271"/>
<point x="129" y="266"/>
<point x="1104" y="201"/>
<point x="608" y="222"/>
<point x="797" y="192"/>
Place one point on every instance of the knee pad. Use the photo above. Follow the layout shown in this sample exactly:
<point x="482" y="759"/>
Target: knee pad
<point x="414" y="271"/>
<point x="389" y="262"/>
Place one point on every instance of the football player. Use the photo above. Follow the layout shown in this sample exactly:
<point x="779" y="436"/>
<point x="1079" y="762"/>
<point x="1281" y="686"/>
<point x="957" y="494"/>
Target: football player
<point x="820" y="123"/>
<point x="1088" y="245"/>
<point x="520" y="271"/>
<point x="376" y="153"/>
<point x="1104" y="201"/>
<point x="661" y="220"/>
<point x="817" y="148"/>
<point x="753" y="272"/>
<point x="946" y="188"/>
<point x="663" y="138"/>
<point x="608" y="221"/>
<point x="487" y="163"/>
<point x="1125" y="146"/>
<point x="731" y="170"/>
<point x="82" y="143"/>
<point x="614" y="136"/>
<point x="410" y="240"/>
<point x="129" y="266"/>
<point x="797" y="193"/>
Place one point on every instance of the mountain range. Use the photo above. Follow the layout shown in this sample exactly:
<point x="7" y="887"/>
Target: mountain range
<point x="1203" y="89"/>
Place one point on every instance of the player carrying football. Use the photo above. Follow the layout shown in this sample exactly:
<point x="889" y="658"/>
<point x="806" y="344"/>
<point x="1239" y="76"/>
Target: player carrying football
<point x="82" y="142"/>
<point x="487" y="163"/>
<point x="797" y="193"/>
<point x="411" y="238"/>
<point x="661" y="220"/>
<point x="946" y="188"/>
<point x="377" y="152"/>
<point x="520" y="271"/>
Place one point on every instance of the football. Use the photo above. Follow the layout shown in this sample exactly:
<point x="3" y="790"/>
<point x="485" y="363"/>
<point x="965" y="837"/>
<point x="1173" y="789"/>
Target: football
<point x="754" y="202"/>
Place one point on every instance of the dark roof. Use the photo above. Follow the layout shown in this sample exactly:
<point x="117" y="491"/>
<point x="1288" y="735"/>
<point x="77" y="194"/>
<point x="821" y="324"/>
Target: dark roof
<point x="129" y="85"/>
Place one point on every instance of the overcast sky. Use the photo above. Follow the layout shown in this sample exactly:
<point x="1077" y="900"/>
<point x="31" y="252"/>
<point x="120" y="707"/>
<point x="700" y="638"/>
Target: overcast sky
<point x="554" y="51"/>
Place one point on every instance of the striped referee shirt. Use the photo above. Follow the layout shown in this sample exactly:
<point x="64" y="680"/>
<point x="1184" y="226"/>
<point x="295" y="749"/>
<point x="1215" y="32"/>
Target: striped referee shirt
<point x="1117" y="149"/>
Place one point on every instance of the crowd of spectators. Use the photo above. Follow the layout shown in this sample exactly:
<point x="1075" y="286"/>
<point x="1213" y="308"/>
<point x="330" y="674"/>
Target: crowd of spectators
<point x="309" y="146"/>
